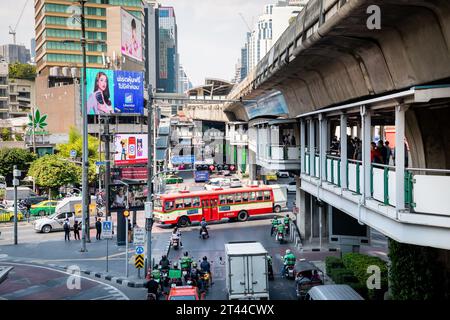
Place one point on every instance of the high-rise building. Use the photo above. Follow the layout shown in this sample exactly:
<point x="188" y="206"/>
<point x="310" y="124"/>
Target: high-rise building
<point x="270" y="26"/>
<point x="109" y="24"/>
<point x="237" y="72"/>
<point x="33" y="50"/>
<point x="4" y="92"/>
<point x="184" y="84"/>
<point x="244" y="58"/>
<point x="151" y="41"/>
<point x="167" y="77"/>
<point x="15" y="53"/>
<point x="54" y="25"/>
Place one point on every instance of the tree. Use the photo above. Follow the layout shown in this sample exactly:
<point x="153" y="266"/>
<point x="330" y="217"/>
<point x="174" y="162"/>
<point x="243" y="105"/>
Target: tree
<point x="14" y="156"/>
<point x="50" y="171"/>
<point x="6" y="135"/>
<point x="76" y="143"/>
<point x="22" y="71"/>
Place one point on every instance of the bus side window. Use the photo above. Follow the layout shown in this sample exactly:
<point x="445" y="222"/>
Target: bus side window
<point x="245" y="197"/>
<point x="178" y="203"/>
<point x="168" y="206"/>
<point x="266" y="195"/>
<point x="252" y="196"/>
<point x="230" y="198"/>
<point x="260" y="195"/>
<point x="187" y="202"/>
<point x="196" y="202"/>
<point x="222" y="199"/>
<point x="238" y="198"/>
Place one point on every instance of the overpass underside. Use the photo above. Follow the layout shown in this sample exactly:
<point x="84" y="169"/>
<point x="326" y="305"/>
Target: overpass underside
<point x="330" y="61"/>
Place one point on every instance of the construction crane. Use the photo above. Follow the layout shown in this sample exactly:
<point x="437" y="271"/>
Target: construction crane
<point x="13" y="31"/>
<point x="245" y="21"/>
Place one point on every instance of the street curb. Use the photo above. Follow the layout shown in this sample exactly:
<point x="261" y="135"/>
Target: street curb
<point x="107" y="277"/>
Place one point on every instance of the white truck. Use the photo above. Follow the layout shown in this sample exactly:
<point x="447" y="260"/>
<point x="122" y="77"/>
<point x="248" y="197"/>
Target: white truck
<point x="280" y="197"/>
<point x="246" y="271"/>
<point x="68" y="208"/>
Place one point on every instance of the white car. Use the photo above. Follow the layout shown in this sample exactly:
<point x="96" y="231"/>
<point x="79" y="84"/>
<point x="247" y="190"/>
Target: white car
<point x="235" y="183"/>
<point x="55" y="222"/>
<point x="283" y="174"/>
<point x="215" y="183"/>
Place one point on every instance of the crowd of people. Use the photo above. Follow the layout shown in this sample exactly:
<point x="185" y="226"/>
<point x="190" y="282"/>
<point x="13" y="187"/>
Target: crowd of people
<point x="380" y="152"/>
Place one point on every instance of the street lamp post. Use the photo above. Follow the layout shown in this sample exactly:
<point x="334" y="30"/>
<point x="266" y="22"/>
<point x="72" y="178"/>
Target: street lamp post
<point x="85" y="166"/>
<point x="149" y="207"/>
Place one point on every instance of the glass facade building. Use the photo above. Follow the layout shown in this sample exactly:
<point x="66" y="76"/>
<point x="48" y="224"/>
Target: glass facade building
<point x="53" y="25"/>
<point x="167" y="75"/>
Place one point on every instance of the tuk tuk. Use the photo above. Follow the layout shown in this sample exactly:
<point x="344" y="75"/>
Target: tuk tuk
<point x="308" y="276"/>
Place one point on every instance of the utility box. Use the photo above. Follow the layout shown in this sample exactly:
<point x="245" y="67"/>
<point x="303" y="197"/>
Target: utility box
<point x="246" y="271"/>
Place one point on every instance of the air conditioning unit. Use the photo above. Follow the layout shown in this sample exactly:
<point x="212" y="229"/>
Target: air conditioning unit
<point x="54" y="71"/>
<point x="65" y="71"/>
<point x="74" y="72"/>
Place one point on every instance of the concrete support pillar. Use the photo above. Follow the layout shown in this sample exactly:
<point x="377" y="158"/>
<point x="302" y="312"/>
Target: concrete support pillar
<point x="252" y="165"/>
<point x="323" y="121"/>
<point x="301" y="217"/>
<point x="344" y="155"/>
<point x="312" y="146"/>
<point x="400" y="157"/>
<point x="366" y="139"/>
<point x="302" y="145"/>
<point x="311" y="217"/>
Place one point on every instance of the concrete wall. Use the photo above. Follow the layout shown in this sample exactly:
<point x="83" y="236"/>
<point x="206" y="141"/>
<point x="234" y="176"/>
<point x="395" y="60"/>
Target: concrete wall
<point x="59" y="103"/>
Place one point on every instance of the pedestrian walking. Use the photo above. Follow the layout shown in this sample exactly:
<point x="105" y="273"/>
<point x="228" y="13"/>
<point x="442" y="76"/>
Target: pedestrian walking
<point x="76" y="230"/>
<point x="66" y="230"/>
<point x="130" y="232"/>
<point x="98" y="226"/>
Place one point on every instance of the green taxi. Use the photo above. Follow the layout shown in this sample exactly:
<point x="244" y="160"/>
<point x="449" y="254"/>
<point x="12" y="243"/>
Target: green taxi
<point x="43" y="208"/>
<point x="172" y="179"/>
<point x="7" y="215"/>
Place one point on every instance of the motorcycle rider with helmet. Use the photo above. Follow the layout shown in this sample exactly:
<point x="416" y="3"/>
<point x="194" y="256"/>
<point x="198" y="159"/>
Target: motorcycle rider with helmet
<point x="288" y="260"/>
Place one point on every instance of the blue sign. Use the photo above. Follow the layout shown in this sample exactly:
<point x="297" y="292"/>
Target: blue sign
<point x="139" y="250"/>
<point x="107" y="229"/>
<point x="115" y="92"/>
<point x="272" y="104"/>
<point x="225" y="208"/>
<point x="183" y="159"/>
<point x="192" y="211"/>
<point x="100" y="163"/>
<point x="73" y="153"/>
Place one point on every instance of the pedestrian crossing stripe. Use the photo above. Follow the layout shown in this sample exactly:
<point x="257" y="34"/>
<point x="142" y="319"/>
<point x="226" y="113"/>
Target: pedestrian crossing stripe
<point x="139" y="261"/>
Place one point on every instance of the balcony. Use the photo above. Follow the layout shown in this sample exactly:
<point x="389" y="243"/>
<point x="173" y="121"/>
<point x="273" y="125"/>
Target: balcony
<point x="277" y="157"/>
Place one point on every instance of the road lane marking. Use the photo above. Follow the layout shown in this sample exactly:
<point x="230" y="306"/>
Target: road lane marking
<point x="123" y="295"/>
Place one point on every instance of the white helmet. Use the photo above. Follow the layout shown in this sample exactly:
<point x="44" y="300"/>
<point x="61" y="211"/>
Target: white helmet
<point x="288" y="251"/>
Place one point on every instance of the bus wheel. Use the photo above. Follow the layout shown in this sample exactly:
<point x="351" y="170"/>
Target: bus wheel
<point x="184" y="222"/>
<point x="243" y="216"/>
<point x="277" y="209"/>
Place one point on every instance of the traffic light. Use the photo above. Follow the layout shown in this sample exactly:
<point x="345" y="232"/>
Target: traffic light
<point x="126" y="213"/>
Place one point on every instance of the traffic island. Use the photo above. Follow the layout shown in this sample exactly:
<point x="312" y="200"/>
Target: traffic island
<point x="4" y="272"/>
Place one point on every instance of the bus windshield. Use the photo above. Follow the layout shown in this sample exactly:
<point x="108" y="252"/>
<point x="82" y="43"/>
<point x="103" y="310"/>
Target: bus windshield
<point x="158" y="204"/>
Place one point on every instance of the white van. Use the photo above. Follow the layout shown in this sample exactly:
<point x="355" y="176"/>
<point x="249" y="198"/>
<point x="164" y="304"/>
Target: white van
<point x="280" y="197"/>
<point x="333" y="292"/>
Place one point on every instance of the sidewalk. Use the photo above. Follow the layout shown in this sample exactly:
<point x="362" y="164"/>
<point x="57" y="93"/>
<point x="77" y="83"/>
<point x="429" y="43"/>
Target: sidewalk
<point x="62" y="255"/>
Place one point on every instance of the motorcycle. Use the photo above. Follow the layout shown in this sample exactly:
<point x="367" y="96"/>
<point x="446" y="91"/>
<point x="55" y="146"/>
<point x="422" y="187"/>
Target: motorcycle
<point x="205" y="279"/>
<point x="286" y="225"/>
<point x="289" y="272"/>
<point x="175" y="243"/>
<point x="186" y="273"/>
<point x="164" y="277"/>
<point x="280" y="237"/>
<point x="204" y="233"/>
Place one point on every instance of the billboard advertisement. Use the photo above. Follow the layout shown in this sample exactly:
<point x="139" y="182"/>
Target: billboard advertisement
<point x="272" y="104"/>
<point x="130" y="149"/>
<point x="134" y="195"/>
<point x="131" y="36"/>
<point x="115" y="92"/>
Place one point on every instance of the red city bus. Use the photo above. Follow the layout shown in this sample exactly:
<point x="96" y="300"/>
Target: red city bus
<point x="185" y="207"/>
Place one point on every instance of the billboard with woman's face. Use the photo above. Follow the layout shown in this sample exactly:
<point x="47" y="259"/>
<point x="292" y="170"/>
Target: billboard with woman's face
<point x="131" y="36"/>
<point x="115" y="92"/>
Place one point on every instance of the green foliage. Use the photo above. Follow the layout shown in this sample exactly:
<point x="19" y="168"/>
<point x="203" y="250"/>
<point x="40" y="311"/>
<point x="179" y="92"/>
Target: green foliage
<point x="22" y="71"/>
<point x="6" y="135"/>
<point x="14" y="156"/>
<point x="359" y="264"/>
<point x="416" y="273"/>
<point x="18" y="137"/>
<point x="51" y="172"/>
<point x="332" y="262"/>
<point x="2" y="193"/>
<point x="76" y="143"/>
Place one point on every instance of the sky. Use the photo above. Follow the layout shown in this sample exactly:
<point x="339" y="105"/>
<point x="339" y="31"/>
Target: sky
<point x="210" y="32"/>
